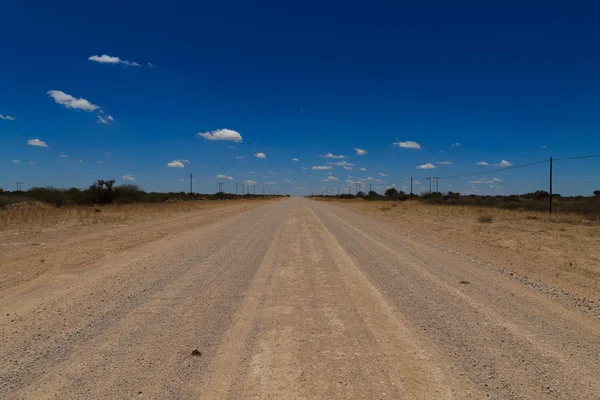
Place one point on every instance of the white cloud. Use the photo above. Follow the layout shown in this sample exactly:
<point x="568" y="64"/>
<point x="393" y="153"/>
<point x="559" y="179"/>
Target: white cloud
<point x="543" y="147"/>
<point x="444" y="162"/>
<point x="370" y="178"/>
<point x="456" y="144"/>
<point x="295" y="159"/>
<point x="382" y="174"/>
<point x="348" y="168"/>
<point x="32" y="162"/>
<point x="341" y="164"/>
<point x="360" y="152"/>
<point x="363" y="169"/>
<point x="331" y="178"/>
<point x="6" y="117"/>
<point x="222" y="134"/>
<point x="407" y="145"/>
<point x="504" y="163"/>
<point x="321" y="167"/>
<point x="262" y="156"/>
<point x="37" y="142"/>
<point x="221" y="176"/>
<point x="484" y="163"/>
<point x="416" y="182"/>
<point x="64" y="156"/>
<point x="185" y="161"/>
<point x="330" y="155"/>
<point x="106" y="120"/>
<point x="426" y="166"/>
<point x="16" y="161"/>
<point x="69" y="101"/>
<point x="251" y="183"/>
<point x="175" y="164"/>
<point x="240" y="157"/>
<point x="105" y="59"/>
<point x="270" y="183"/>
<point x="128" y="177"/>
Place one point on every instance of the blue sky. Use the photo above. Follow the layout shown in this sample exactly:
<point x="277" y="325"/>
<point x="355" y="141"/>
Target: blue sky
<point x="467" y="83"/>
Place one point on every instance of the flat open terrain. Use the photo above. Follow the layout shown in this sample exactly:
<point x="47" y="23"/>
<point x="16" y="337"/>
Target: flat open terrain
<point x="291" y="299"/>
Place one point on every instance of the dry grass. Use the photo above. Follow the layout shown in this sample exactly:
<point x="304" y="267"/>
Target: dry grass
<point x="558" y="249"/>
<point x="35" y="219"/>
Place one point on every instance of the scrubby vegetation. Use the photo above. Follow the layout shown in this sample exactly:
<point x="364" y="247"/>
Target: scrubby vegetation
<point x="105" y="192"/>
<point x="535" y="201"/>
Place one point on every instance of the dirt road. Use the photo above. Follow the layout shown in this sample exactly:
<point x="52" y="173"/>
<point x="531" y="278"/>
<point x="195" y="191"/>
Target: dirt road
<point x="287" y="300"/>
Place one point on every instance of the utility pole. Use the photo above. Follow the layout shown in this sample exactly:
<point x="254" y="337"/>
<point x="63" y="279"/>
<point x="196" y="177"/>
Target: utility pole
<point x="437" y="183"/>
<point x="220" y="187"/>
<point x="429" y="179"/>
<point x="550" y="205"/>
<point x="19" y="186"/>
<point x="191" y="190"/>
<point x="411" y="188"/>
<point x="255" y="190"/>
<point x="236" y="188"/>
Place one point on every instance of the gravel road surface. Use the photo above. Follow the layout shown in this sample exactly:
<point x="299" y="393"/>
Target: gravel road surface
<point x="288" y="300"/>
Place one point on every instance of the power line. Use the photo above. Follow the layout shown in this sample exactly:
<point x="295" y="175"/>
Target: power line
<point x="577" y="158"/>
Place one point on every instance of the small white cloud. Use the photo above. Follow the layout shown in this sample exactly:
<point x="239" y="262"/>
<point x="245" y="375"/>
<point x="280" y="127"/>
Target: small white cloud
<point x="249" y="182"/>
<point x="69" y="101"/>
<point x="64" y="156"/>
<point x="341" y="164"/>
<point x="181" y="179"/>
<point x="456" y="144"/>
<point x="363" y="169"/>
<point x="370" y="178"/>
<point x="107" y="154"/>
<point x="262" y="156"/>
<point x="185" y="161"/>
<point x="221" y="176"/>
<point x="295" y="159"/>
<point x="543" y="147"/>
<point x="504" y="163"/>
<point x="426" y="166"/>
<point x="382" y="174"/>
<point x="6" y="117"/>
<point x="348" y="168"/>
<point x="37" y="142"/>
<point x="104" y="120"/>
<point x="407" y="145"/>
<point x="240" y="157"/>
<point x="331" y="178"/>
<point x="32" y="162"/>
<point x="330" y="155"/>
<point x="484" y="163"/>
<point x="222" y="134"/>
<point x="270" y="183"/>
<point x="128" y="177"/>
<point x="105" y="59"/>
<point x="175" y="164"/>
<point x="444" y="162"/>
<point x="360" y="152"/>
<point x="16" y="161"/>
<point x="321" y="167"/>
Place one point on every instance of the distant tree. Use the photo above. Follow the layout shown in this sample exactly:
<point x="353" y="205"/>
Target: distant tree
<point x="373" y="193"/>
<point x="391" y="192"/>
<point x="360" y="194"/>
<point x="596" y="193"/>
<point x="541" y="194"/>
<point x="102" y="192"/>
